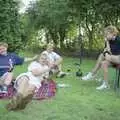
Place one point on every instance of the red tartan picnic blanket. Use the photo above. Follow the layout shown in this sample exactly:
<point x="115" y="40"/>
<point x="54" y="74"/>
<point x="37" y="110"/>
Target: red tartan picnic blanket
<point x="47" y="90"/>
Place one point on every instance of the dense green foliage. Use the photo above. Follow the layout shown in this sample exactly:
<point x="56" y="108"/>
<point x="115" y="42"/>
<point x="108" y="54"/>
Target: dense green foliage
<point x="86" y="17"/>
<point x="10" y="24"/>
<point x="58" y="21"/>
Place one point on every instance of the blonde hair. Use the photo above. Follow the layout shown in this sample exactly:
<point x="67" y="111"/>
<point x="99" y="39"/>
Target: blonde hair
<point x="111" y="29"/>
<point x="50" y="45"/>
<point x="41" y="55"/>
<point x="4" y="44"/>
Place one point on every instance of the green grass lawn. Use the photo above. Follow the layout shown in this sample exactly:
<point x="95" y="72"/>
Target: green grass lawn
<point x="80" y="101"/>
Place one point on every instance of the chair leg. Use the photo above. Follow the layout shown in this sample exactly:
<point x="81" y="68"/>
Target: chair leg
<point x="118" y="78"/>
<point x="115" y="81"/>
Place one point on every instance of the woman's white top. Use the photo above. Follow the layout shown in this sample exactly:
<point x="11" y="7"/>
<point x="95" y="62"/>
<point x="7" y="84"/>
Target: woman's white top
<point x="35" y="80"/>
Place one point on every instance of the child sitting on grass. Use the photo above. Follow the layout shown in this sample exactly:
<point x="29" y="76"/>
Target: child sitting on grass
<point x="27" y="83"/>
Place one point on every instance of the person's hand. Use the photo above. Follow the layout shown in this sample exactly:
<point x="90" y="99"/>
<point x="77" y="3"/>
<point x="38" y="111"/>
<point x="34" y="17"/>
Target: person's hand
<point x="107" y="49"/>
<point x="108" y="57"/>
<point x="52" y="65"/>
<point x="106" y="52"/>
<point x="35" y="57"/>
<point x="105" y="39"/>
<point x="30" y="59"/>
<point x="35" y="72"/>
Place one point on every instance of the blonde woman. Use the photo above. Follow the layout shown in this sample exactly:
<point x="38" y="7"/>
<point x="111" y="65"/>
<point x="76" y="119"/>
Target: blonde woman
<point x="110" y="55"/>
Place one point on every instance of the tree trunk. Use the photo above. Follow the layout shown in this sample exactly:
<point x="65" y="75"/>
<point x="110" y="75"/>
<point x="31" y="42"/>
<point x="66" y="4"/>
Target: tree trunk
<point x="62" y="37"/>
<point x="54" y="36"/>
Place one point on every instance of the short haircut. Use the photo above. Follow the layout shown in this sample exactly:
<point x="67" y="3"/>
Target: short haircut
<point x="4" y="44"/>
<point x="50" y="45"/>
<point x="41" y="55"/>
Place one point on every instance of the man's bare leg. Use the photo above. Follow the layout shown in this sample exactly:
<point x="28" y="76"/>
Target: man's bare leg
<point x="98" y="64"/>
<point x="104" y="66"/>
<point x="95" y="69"/>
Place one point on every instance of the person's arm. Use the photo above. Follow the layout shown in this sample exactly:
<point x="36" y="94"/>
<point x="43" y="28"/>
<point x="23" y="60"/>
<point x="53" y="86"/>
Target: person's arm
<point x="107" y="48"/>
<point x="58" y="59"/>
<point x="40" y="71"/>
<point x="17" y="60"/>
<point x="26" y="59"/>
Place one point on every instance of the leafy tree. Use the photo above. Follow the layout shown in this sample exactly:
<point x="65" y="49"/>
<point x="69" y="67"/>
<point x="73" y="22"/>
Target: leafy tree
<point x="52" y="15"/>
<point x="9" y="24"/>
<point x="109" y="11"/>
<point x="58" y="18"/>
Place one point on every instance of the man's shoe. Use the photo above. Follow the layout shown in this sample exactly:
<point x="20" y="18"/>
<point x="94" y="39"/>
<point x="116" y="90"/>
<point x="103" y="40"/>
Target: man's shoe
<point x="61" y="74"/>
<point x="12" y="105"/>
<point x="1" y="88"/>
<point x="25" y="101"/>
<point x="88" y="76"/>
<point x="4" y="89"/>
<point x="103" y="86"/>
<point x="15" y="102"/>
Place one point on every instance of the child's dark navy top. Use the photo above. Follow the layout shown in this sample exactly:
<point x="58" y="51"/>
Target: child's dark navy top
<point x="9" y="60"/>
